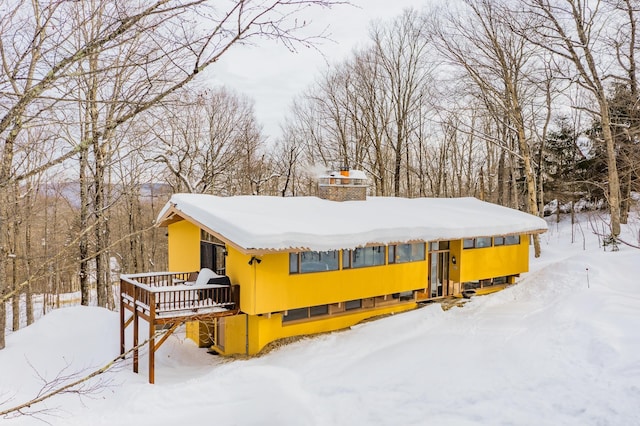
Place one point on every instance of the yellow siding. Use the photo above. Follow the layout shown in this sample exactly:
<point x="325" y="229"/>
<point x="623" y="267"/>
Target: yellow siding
<point x="264" y="330"/>
<point x="200" y="332"/>
<point x="268" y="287"/>
<point x="184" y="247"/>
<point x="490" y="262"/>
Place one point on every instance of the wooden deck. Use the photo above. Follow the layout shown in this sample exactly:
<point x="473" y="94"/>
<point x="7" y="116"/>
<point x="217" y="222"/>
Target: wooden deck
<point x="167" y="300"/>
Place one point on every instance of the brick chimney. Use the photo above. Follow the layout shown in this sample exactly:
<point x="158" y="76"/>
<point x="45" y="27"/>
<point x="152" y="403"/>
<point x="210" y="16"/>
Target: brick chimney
<point x="345" y="185"/>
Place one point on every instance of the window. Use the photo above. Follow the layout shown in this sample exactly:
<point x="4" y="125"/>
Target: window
<point x="479" y="242"/>
<point x="473" y="285"/>
<point x="500" y="280"/>
<point x="315" y="311"/>
<point x="392" y="254"/>
<point x="363" y="256"/>
<point x="353" y="304"/>
<point x="498" y="241"/>
<point x="483" y="242"/>
<point x="205" y="236"/>
<point x="313" y="261"/>
<point x="293" y="263"/>
<point x="296" y="314"/>
<point x="304" y="313"/>
<point x="410" y="252"/>
<point x="511" y="240"/>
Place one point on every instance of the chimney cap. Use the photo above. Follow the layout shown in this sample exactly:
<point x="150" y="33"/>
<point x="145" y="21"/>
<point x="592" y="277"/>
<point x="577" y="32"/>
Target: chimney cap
<point x="353" y="174"/>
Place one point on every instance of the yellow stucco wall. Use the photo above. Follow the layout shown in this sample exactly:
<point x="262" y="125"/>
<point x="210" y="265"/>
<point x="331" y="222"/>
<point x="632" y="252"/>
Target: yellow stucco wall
<point x="490" y="262"/>
<point x="184" y="247"/>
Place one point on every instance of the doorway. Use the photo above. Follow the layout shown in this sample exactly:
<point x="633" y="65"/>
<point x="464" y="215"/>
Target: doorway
<point x="439" y="269"/>
<point x="212" y="256"/>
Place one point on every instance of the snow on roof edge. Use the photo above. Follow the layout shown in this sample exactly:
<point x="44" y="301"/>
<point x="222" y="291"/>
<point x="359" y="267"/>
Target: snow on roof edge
<point x="264" y="223"/>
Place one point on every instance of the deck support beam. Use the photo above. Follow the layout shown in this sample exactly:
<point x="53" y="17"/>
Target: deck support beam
<point x="155" y="301"/>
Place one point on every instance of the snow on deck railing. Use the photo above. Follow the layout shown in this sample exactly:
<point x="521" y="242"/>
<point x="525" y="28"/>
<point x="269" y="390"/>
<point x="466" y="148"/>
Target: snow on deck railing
<point x="169" y="294"/>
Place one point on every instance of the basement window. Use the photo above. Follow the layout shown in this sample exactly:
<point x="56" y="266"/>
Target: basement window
<point x="353" y="304"/>
<point x="305" y="313"/>
<point x="296" y="314"/>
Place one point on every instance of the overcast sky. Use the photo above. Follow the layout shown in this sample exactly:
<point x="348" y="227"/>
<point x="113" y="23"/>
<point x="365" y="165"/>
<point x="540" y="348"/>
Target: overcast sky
<point x="272" y="76"/>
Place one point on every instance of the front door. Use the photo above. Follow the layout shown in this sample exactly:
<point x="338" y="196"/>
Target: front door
<point x="439" y="271"/>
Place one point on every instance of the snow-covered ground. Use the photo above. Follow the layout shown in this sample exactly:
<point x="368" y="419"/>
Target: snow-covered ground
<point x="562" y="347"/>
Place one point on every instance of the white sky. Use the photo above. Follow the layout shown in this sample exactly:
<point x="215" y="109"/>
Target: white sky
<point x="273" y="76"/>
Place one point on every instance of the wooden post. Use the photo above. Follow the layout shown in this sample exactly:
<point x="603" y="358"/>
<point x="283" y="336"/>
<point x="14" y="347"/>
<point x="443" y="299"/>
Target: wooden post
<point x="152" y="341"/>
<point x="135" y="335"/>
<point x="122" y="326"/>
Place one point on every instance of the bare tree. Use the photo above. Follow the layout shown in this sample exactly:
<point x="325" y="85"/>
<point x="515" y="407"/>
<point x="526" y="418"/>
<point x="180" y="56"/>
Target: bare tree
<point x="575" y="30"/>
<point x="402" y="52"/>
<point x="496" y="60"/>
<point x="40" y="57"/>
<point x="203" y="140"/>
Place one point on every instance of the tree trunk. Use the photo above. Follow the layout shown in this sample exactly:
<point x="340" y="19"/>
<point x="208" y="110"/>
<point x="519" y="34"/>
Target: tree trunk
<point x="83" y="244"/>
<point x="481" y="189"/>
<point x="625" y="201"/>
<point x="612" y="171"/>
<point x="28" y="257"/>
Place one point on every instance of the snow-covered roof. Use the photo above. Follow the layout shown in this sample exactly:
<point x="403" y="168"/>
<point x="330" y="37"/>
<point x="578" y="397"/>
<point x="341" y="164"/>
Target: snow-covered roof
<point x="264" y="223"/>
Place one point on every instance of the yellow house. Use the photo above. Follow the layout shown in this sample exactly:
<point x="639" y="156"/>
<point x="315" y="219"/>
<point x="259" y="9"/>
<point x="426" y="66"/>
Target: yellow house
<point x="306" y="265"/>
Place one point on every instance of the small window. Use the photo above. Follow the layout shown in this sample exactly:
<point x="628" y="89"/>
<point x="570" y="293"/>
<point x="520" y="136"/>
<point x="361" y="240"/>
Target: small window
<point x="443" y="245"/>
<point x="435" y="246"/>
<point x="468" y="243"/>
<point x="296" y="314"/>
<point x="346" y="259"/>
<point x="293" y="263"/>
<point x="511" y="240"/>
<point x="471" y="285"/>
<point x="391" y="257"/>
<point x="315" y="311"/>
<point x="205" y="236"/>
<point x="498" y="241"/>
<point x="483" y="242"/>
<point x="500" y="280"/>
<point x="353" y="304"/>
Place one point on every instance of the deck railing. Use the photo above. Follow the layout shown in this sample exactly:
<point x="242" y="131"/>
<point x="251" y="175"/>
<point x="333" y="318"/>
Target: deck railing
<point x="172" y="294"/>
<point x="169" y="299"/>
